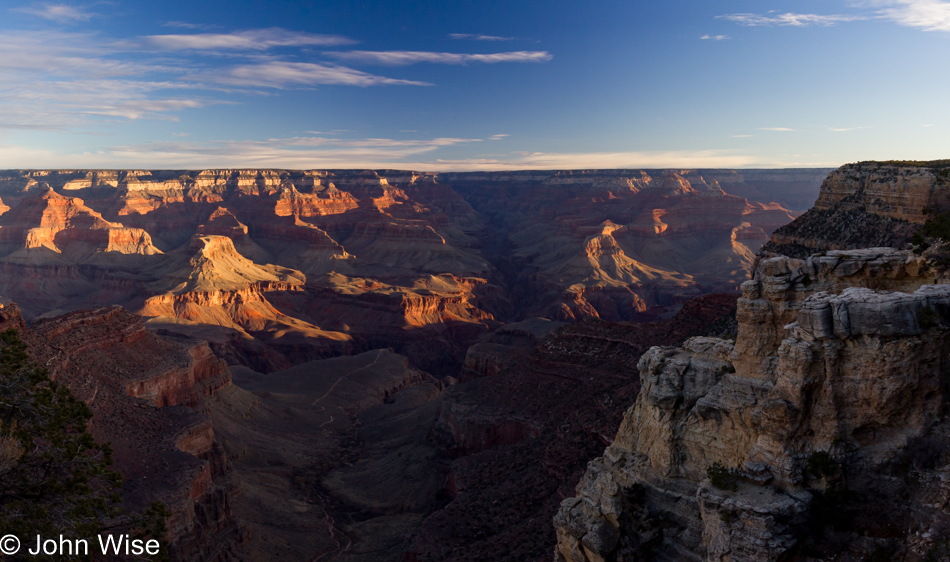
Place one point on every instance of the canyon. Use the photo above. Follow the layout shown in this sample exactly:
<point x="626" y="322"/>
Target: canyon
<point x="383" y="365"/>
<point x="820" y="430"/>
<point x="274" y="268"/>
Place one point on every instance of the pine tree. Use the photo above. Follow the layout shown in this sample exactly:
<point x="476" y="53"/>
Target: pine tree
<point x="54" y="478"/>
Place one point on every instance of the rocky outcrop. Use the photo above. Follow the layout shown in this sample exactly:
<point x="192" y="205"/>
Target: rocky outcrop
<point x="48" y="226"/>
<point x="143" y="391"/>
<point x="866" y="204"/>
<point x="732" y="449"/>
<point x="894" y="190"/>
<point x="520" y="438"/>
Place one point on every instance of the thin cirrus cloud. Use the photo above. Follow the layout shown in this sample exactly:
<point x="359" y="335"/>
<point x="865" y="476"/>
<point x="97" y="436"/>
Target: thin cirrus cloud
<point x="778" y="129"/>
<point x="403" y="58"/>
<point x="59" y="13"/>
<point x="714" y="37"/>
<point x="479" y="37"/>
<point x="283" y="74"/>
<point x="296" y="152"/>
<point x="78" y="81"/>
<point x="929" y="15"/>
<point x="251" y="40"/>
<point x="788" y="19"/>
<point x="309" y="152"/>
<point x="567" y="161"/>
<point x="183" y="25"/>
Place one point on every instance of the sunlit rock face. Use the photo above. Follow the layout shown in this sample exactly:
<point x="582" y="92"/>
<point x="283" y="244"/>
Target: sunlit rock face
<point x="310" y="264"/>
<point x="866" y="204"/>
<point x="844" y="354"/>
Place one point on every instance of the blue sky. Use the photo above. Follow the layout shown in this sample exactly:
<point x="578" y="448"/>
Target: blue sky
<point x="463" y="85"/>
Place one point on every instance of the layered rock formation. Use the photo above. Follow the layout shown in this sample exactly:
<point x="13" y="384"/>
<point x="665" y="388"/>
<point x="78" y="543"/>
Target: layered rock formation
<point x="331" y="259"/>
<point x="519" y="437"/>
<point x="283" y="272"/>
<point x="143" y="390"/>
<point x="613" y="245"/>
<point x="738" y="450"/>
<point x="867" y="204"/>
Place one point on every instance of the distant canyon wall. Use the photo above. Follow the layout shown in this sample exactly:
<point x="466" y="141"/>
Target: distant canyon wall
<point x="277" y="267"/>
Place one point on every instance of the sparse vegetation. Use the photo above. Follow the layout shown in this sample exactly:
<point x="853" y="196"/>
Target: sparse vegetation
<point x="722" y="477"/>
<point x="927" y="317"/>
<point x="635" y="493"/>
<point x="934" y="231"/>
<point x="822" y="465"/>
<point x="937" y="164"/>
<point x="54" y="478"/>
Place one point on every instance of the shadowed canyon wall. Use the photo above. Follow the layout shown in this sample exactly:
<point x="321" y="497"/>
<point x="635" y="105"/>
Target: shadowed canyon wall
<point x="820" y="431"/>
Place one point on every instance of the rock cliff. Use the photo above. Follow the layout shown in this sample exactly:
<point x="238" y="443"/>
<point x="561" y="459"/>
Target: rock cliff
<point x="765" y="447"/>
<point x="325" y="258"/>
<point x="145" y="392"/>
<point x="866" y="204"/>
<point x="519" y="437"/>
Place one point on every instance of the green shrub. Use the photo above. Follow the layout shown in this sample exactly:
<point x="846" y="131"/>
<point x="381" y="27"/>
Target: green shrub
<point x="822" y="465"/>
<point x="635" y="493"/>
<point x="55" y="479"/>
<point x="927" y="317"/>
<point x="722" y="477"/>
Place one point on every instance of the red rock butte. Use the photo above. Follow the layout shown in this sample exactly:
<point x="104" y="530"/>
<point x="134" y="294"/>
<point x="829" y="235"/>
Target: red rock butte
<point x="277" y="267"/>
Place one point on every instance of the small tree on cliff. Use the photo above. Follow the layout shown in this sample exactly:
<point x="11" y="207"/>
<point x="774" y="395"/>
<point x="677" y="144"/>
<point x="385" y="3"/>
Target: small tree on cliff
<point x="54" y="478"/>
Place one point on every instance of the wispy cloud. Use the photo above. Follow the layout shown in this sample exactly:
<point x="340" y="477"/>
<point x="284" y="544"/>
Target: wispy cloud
<point x="603" y="160"/>
<point x="402" y="58"/>
<point x="777" y="129"/>
<point x="929" y="15"/>
<point x="479" y="37"/>
<point x="183" y="25"/>
<point x="741" y="136"/>
<point x="498" y="137"/>
<point x="788" y="19"/>
<point x="715" y="37"/>
<point x="296" y="152"/>
<point x="309" y="153"/>
<point x="63" y="81"/>
<point x="928" y="125"/>
<point x="59" y="13"/>
<point x="846" y="129"/>
<point x="251" y="40"/>
<point x="282" y="74"/>
<point x="318" y="152"/>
